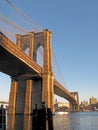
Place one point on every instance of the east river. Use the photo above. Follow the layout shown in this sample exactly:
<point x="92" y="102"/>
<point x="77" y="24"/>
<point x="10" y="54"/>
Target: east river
<point x="61" y="121"/>
<point x="76" y="121"/>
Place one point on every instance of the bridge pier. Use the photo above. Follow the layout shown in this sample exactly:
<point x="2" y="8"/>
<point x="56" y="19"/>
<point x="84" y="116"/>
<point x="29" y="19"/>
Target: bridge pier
<point x="12" y="96"/>
<point x="37" y="93"/>
<point x="24" y="94"/>
<point x="12" y="104"/>
<point x="73" y="107"/>
<point x="48" y="91"/>
<point x="21" y="95"/>
<point x="28" y="97"/>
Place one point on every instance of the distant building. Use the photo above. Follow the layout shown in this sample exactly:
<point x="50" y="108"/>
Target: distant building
<point x="86" y="103"/>
<point x="93" y="101"/>
<point x="61" y="104"/>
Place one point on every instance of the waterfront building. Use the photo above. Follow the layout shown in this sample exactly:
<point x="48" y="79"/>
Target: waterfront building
<point x="93" y="101"/>
<point x="61" y="106"/>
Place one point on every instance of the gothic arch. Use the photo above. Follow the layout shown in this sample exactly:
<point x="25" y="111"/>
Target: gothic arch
<point x="25" y="41"/>
<point x="40" y="55"/>
<point x="34" y="41"/>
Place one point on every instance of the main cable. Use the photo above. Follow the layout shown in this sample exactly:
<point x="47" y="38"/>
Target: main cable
<point x="18" y="10"/>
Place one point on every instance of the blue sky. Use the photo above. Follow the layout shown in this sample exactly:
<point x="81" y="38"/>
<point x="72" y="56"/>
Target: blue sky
<point x="74" y="24"/>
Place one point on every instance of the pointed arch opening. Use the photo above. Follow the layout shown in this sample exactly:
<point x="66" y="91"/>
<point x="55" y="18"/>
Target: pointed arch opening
<point x="27" y="51"/>
<point x="40" y="55"/>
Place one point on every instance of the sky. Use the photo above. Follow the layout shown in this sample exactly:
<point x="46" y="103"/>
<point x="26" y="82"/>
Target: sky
<point x="74" y="26"/>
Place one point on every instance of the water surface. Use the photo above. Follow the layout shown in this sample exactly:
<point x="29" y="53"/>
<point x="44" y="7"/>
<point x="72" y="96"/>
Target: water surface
<point x="76" y="121"/>
<point x="61" y="121"/>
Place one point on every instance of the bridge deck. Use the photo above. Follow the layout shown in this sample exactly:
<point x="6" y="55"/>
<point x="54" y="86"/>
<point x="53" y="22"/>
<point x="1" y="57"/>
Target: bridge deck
<point x="10" y="53"/>
<point x="62" y="92"/>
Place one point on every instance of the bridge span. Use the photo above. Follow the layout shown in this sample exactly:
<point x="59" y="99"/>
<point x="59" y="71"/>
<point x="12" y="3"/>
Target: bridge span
<point x="30" y="83"/>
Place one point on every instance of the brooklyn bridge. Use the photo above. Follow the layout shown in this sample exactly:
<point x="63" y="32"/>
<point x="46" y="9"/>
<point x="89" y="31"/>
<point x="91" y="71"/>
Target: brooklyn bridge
<point x="31" y="83"/>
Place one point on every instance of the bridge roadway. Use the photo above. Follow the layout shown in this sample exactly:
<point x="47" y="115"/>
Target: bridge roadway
<point x="14" y="62"/>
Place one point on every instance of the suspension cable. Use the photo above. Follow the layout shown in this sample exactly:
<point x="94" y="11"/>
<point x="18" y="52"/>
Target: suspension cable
<point x="12" y="23"/>
<point x="59" y="68"/>
<point x="18" y="10"/>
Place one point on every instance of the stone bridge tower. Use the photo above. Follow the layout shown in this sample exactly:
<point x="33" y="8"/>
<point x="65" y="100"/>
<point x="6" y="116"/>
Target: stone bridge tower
<point x="74" y="106"/>
<point x="27" y="90"/>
